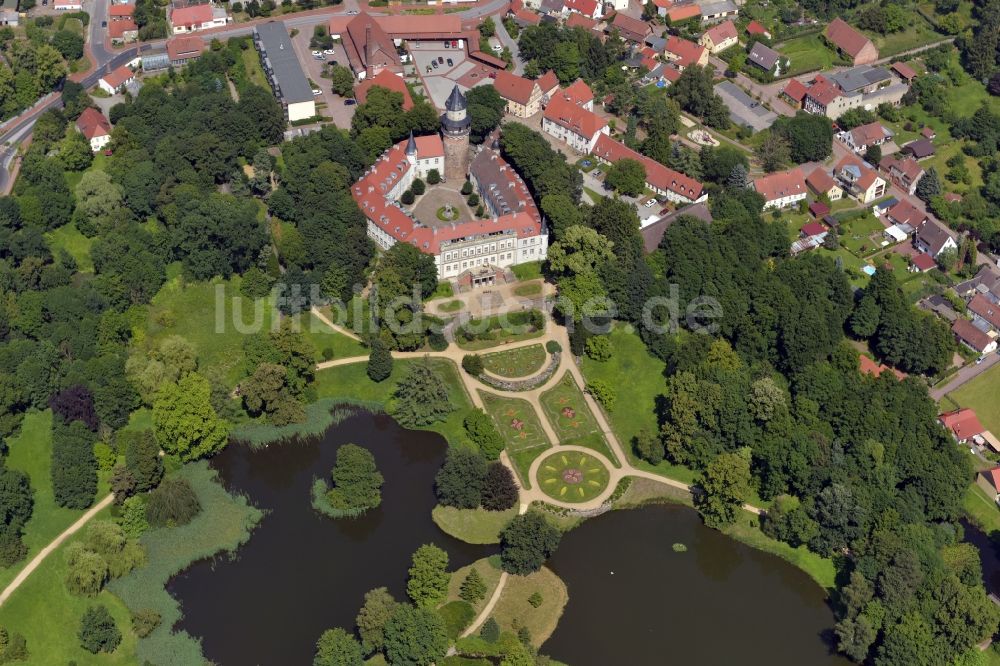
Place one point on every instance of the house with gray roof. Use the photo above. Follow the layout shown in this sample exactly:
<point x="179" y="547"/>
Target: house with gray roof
<point x="765" y="57"/>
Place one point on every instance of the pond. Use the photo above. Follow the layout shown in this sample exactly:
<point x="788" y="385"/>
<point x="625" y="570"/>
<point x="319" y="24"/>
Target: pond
<point x="301" y="573"/>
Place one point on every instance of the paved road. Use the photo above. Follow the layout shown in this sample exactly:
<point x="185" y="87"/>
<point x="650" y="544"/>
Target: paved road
<point x="965" y="375"/>
<point x="511" y="44"/>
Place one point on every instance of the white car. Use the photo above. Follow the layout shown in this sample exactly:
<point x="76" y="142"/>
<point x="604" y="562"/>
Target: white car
<point x="497" y="48"/>
<point x="329" y="52"/>
<point x="317" y="91"/>
<point x="650" y="203"/>
<point x="317" y="54"/>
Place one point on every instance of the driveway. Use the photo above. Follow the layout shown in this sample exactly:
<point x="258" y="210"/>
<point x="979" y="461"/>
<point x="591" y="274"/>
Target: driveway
<point x="327" y="104"/>
<point x="511" y="45"/>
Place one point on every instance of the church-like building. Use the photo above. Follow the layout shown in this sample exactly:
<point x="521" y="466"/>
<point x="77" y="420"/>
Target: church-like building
<point x="471" y="251"/>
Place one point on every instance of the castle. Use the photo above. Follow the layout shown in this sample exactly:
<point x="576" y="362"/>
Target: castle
<point x="471" y="252"/>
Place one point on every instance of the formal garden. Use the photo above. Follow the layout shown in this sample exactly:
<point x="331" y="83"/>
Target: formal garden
<point x="572" y="419"/>
<point x="518" y="422"/>
<point x="572" y="476"/>
<point x="476" y="334"/>
<point x="520" y="362"/>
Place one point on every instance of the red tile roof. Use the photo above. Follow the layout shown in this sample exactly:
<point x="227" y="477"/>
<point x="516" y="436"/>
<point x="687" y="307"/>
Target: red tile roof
<point x="904" y="70"/>
<point x="870" y="367"/>
<point x="686" y="53"/>
<point x="818" y="208"/>
<point x="989" y="311"/>
<point x="121" y="10"/>
<point x="575" y="118"/>
<point x="410" y="24"/>
<point x="903" y="212"/>
<point x="993" y="475"/>
<point x="118" y="77"/>
<point x="908" y="166"/>
<point x="184" y="47"/>
<point x="795" y="89"/>
<point x="820" y="181"/>
<point x="928" y="132"/>
<point x="781" y="184"/>
<point x="528" y="16"/>
<point x="923" y="262"/>
<point x="630" y="28"/>
<point x="866" y="135"/>
<point x="969" y="334"/>
<point x="548" y="81"/>
<point x="663" y="4"/>
<point x="389" y="81"/>
<point x="846" y="38"/>
<point x="722" y="32"/>
<point x="823" y="91"/>
<point x="580" y="21"/>
<point x="191" y="15"/>
<point x="117" y="29"/>
<point x="755" y="28"/>
<point x="513" y="87"/>
<point x="963" y="423"/>
<point x="683" y="13"/>
<point x="813" y="229"/>
<point x="659" y="176"/>
<point x="585" y="7"/>
<point x="92" y="123"/>
<point x="577" y="92"/>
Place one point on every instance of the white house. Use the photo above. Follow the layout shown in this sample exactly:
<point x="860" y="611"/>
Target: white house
<point x="197" y="17"/>
<point x="116" y="80"/>
<point x="573" y="124"/>
<point x="94" y="127"/>
<point x="782" y="188"/>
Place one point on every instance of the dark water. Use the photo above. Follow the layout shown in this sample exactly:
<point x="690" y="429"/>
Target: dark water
<point x="302" y="573"/>
<point x="720" y="603"/>
<point x="989" y="556"/>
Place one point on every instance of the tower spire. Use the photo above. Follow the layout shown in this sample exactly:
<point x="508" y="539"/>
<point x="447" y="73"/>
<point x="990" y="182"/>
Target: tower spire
<point x="411" y="145"/>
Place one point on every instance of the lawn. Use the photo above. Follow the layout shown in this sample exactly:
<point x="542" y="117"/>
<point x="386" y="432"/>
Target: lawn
<point x="918" y="33"/>
<point x="528" y="290"/>
<point x="69" y="238"/>
<point x="513" y="605"/>
<point x="255" y="73"/>
<point x="807" y="54"/>
<point x="527" y="440"/>
<point x="820" y="569"/>
<point x="350" y="383"/>
<point x="531" y="270"/>
<point x="862" y="235"/>
<point x="488" y="568"/>
<point x="981" y="510"/>
<point x="48" y="616"/>
<point x="521" y="362"/>
<point x="328" y="343"/>
<point x="485" y="333"/>
<point x="213" y="316"/>
<point x="572" y="476"/>
<point x="983" y="395"/>
<point x="572" y="419"/>
<point x="472" y="525"/>
<point x="451" y="306"/>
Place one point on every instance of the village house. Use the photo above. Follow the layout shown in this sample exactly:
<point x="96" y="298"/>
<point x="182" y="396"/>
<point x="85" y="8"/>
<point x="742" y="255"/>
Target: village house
<point x="858" y="180"/>
<point x="766" y="58"/>
<point x="986" y="282"/>
<point x="575" y="20"/>
<point x="664" y="181"/>
<point x="934" y="239"/>
<point x="905" y="216"/>
<point x="683" y="53"/>
<point x="985" y="313"/>
<point x="782" y="188"/>
<point x="588" y="8"/>
<point x="573" y="124"/>
<point x="756" y="29"/>
<point x="795" y="93"/>
<point x="905" y="173"/>
<point x="861" y="87"/>
<point x="973" y="336"/>
<point x="95" y="128"/>
<point x="523" y="96"/>
<point x="629" y="29"/>
<point x="578" y="93"/>
<point x="963" y="424"/>
<point x="822" y="183"/>
<point x="191" y="18"/>
<point x="850" y="43"/>
<point x="904" y="71"/>
<point x="719" y="37"/>
<point x="919" y="149"/>
<point x="124" y="31"/>
<point x="548" y="83"/>
<point x="811" y="236"/>
<point x="662" y="6"/>
<point x="67" y="5"/>
<point x="116" y="80"/>
<point x="680" y="13"/>
<point x="863" y="137"/>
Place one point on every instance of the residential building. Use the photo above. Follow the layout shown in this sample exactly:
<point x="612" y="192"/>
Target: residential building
<point x="525" y="17"/>
<point x="972" y="336"/>
<point x="820" y="182"/>
<point x="905" y="173"/>
<point x="859" y="180"/>
<point x="986" y="282"/>
<point x="283" y="71"/>
<point x="573" y="124"/>
<point x="861" y="138"/>
<point x="919" y="149"/>
<point x="116" y="80"/>
<point x="575" y="20"/>
<point x="191" y="18"/>
<point x="681" y="13"/>
<point x="589" y="8"/>
<point x="123" y="32"/>
<point x="811" y="236"/>
<point x="962" y="423"/>
<point x="662" y="6"/>
<point x="744" y="110"/>
<point x="67" y="5"/>
<point x="387" y="80"/>
<point x="934" y="239"/>
<point x="850" y="43"/>
<point x="664" y="181"/>
<point x="905" y="216"/>
<point x="863" y="87"/>
<point x="630" y="29"/>
<point x="578" y="93"/>
<point x="989" y="481"/>
<point x="782" y="188"/>
<point x="754" y="28"/>
<point x="184" y="49"/>
<point x="683" y="53"/>
<point x="120" y="12"/>
<point x="985" y="313"/>
<point x="862" y="79"/>
<point x="618" y="5"/>
<point x="8" y="13"/>
<point x="795" y="92"/>
<point x="717" y="11"/>
<point x="766" y="58"/>
<point x="95" y="128"/>
<point x="548" y="83"/>
<point x="369" y="48"/>
<point x="523" y="96"/>
<point x="720" y="37"/>
<point x="551" y="7"/>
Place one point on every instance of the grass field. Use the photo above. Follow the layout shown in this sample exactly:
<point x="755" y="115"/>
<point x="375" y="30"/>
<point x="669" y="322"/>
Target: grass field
<point x="531" y="270"/>
<point x="472" y="525"/>
<point x="572" y="419"/>
<point x="528" y="290"/>
<point x="513" y="604"/>
<point x="862" y="236"/>
<point x="917" y="33"/>
<point x="69" y="238"/>
<point x="213" y="316"/>
<point x="488" y="568"/>
<point x="521" y="362"/>
<point x="981" y="510"/>
<point x="451" y="306"/>
<point x="807" y="54"/>
<point x="323" y="337"/>
<point x="820" y="569"/>
<point x="571" y="476"/>
<point x="516" y="420"/>
<point x="983" y="395"/>
<point x="255" y="73"/>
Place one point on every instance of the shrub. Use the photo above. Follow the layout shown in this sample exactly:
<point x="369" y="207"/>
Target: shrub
<point x="433" y="177"/>
<point x="379" y="361"/>
<point x="602" y="393"/>
<point x="499" y="488"/>
<point x="327" y="353"/>
<point x="437" y="341"/>
<point x="105" y="456"/>
<point x="473" y="587"/>
<point x="599" y="348"/>
<point x="428" y="576"/>
<point x="13" y="647"/>
<point x="144" y="621"/>
<point x="473" y="364"/>
<point x="142" y="458"/>
<point x="133" y="517"/>
<point x="535" y="599"/>
<point x="12" y="548"/>
<point x="122" y="484"/>
<point x="484" y="434"/>
<point x="407" y="197"/>
<point x="553" y="347"/>
<point x="98" y="631"/>
<point x="466" y="188"/>
<point x="418" y="186"/>
<point x="490" y="631"/>
<point x="172" y="503"/>
<point x="473" y="199"/>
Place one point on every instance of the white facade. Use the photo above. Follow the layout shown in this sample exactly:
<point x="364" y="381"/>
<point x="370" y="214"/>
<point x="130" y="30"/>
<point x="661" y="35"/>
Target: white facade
<point x="578" y="142"/>
<point x="500" y="250"/>
<point x="99" y="141"/>
<point x="784" y="202"/>
<point x="301" y="110"/>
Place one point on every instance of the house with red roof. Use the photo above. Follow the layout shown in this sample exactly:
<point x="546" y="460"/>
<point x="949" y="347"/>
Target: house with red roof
<point x="858" y="180"/>
<point x="387" y="80"/>
<point x="628" y="28"/>
<point x="664" y="181"/>
<point x="683" y="53"/>
<point x="795" y="92"/>
<point x="183" y="49"/>
<point x="575" y="20"/>
<point x="905" y="215"/>
<point x="525" y="17"/>
<point x="989" y="481"/>
<point x="573" y="124"/>
<point x="116" y="80"/>
<point x="904" y="71"/>
<point x="962" y="423"/>
<point x="588" y="8"/>
<point x="578" y="93"/>
<point x="681" y="13"/>
<point x="985" y="312"/>
<point x="190" y="18"/>
<point x="523" y="96"/>
<point x="971" y="335"/>
<point x="662" y="6"/>
<point x="124" y="31"/>
<point x="821" y="182"/>
<point x="862" y="137"/>
<point x="851" y="43"/>
<point x="548" y="83"/>
<point x="754" y="28"/>
<point x="904" y="172"/>
<point x="921" y="263"/>
<point x="94" y="127"/>
<point x="719" y="37"/>
<point x="782" y="188"/>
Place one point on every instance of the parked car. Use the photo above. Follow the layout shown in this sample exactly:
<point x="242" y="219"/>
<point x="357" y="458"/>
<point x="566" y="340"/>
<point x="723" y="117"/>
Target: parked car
<point x="435" y="63"/>
<point x="328" y="51"/>
<point x="450" y="63"/>
<point x="353" y="12"/>
<point x="440" y="60"/>
<point x="350" y="101"/>
<point x="650" y="203"/>
<point x="317" y="54"/>
<point x="596" y="172"/>
<point x="316" y="92"/>
<point x="454" y="43"/>
<point x="447" y="44"/>
<point x="497" y="48"/>
<point x="493" y="75"/>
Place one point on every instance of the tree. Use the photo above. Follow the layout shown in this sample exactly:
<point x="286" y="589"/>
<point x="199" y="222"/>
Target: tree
<point x="74" y="151"/>
<point x="341" y="81"/>
<point x="336" y="647"/>
<point x="184" y="421"/>
<point x="473" y="364"/>
<point x="173" y="502"/>
<point x="579" y="250"/>
<point x="485" y="108"/>
<point x="809" y="136"/>
<point x="460" y="481"/>
<point x="434" y="176"/>
<point x="526" y="543"/>
<point x="98" y="631"/>
<point x="648" y="447"/>
<point x="626" y="177"/>
<point x="357" y="483"/>
<point x="74" y="468"/>
<point x="421" y="397"/>
<point x="929" y="185"/>
<point x="773" y="153"/>
<point x="473" y="587"/>
<point x="428" y="579"/>
<point x="500" y="491"/>
<point x="379" y="361"/>
<point x="142" y="458"/>
<point x="726" y="485"/>
<point x="490" y="631"/>
<point x="378" y="609"/>
<point x="415" y="636"/>
<point x="69" y="44"/>
<point x="717" y="164"/>
<point x="86" y="571"/>
<point x="484" y="434"/>
<point x="75" y="403"/>
<point x="873" y="155"/>
<point x="267" y="391"/>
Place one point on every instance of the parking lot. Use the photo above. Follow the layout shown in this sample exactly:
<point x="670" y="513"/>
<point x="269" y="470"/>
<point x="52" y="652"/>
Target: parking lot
<point x="439" y="81"/>
<point x="327" y="104"/>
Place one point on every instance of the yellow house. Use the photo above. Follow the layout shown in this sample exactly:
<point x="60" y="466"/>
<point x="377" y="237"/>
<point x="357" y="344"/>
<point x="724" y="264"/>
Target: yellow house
<point x="720" y="37"/>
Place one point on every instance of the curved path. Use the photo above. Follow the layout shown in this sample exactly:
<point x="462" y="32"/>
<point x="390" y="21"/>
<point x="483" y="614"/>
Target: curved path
<point x="45" y="552"/>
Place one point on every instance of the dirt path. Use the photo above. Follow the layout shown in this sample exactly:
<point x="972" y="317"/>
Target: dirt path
<point x="45" y="552"/>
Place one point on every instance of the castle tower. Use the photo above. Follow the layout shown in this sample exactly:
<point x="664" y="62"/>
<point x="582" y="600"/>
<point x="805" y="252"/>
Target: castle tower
<point x="455" y="128"/>
<point x="411" y="151"/>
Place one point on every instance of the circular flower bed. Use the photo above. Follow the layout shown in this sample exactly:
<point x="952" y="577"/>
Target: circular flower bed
<point x="572" y="476"/>
<point x="447" y="213"/>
